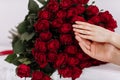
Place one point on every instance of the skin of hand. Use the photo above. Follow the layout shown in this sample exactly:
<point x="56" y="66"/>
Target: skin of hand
<point x="96" y="33"/>
<point x="101" y="51"/>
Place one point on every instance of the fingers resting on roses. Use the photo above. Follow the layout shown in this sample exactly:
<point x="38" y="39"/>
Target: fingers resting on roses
<point x="84" y="32"/>
<point x="92" y="32"/>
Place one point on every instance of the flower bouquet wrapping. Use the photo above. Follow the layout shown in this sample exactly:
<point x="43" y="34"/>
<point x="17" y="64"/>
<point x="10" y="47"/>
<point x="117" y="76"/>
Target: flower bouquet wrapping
<point x="45" y="41"/>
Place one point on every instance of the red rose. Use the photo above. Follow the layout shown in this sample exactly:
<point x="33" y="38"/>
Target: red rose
<point x="73" y="61"/>
<point x="65" y="4"/>
<point x="23" y="71"/>
<point x="40" y="45"/>
<point x="84" y="1"/>
<point x="80" y="9"/>
<point x="53" y="5"/>
<point x="61" y="14"/>
<point x="105" y="16"/>
<point x="79" y="55"/>
<point x="37" y="75"/>
<point x="66" y="28"/>
<point x="75" y="1"/>
<point x="53" y="45"/>
<point x="92" y="11"/>
<point x="72" y="12"/>
<point x="85" y="65"/>
<point x="66" y="39"/>
<point x="76" y="72"/>
<point x="41" y="59"/>
<point x="94" y="20"/>
<point x="46" y="78"/>
<point x="45" y="36"/>
<point x="111" y="25"/>
<point x="65" y="72"/>
<point x="44" y="14"/>
<point x="77" y="18"/>
<point x="102" y="25"/>
<point x="96" y="63"/>
<point x="52" y="56"/>
<point x="108" y="20"/>
<point x="72" y="49"/>
<point x="61" y="60"/>
<point x="57" y="23"/>
<point x="41" y="25"/>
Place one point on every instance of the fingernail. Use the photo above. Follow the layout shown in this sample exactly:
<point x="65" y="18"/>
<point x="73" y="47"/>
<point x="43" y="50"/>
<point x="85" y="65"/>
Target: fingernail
<point x="73" y="25"/>
<point x="77" y="21"/>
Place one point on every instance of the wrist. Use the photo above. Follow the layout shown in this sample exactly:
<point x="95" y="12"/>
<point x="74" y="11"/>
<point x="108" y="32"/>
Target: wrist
<point x="112" y="37"/>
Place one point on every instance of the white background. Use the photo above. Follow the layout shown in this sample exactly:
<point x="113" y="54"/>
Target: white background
<point x="12" y="12"/>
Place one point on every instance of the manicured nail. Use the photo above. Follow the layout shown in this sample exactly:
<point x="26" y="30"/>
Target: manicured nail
<point x="77" y="21"/>
<point x="73" y="25"/>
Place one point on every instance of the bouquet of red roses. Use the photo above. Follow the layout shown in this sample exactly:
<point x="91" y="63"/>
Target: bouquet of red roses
<point x="45" y="40"/>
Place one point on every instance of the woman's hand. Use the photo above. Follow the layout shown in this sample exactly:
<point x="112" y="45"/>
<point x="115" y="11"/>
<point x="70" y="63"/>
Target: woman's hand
<point x="92" y="32"/>
<point x="100" y="51"/>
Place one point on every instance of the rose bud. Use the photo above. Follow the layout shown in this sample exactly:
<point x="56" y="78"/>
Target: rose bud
<point x="53" y="45"/>
<point x="94" y="20"/>
<point x="52" y="56"/>
<point x="23" y="71"/>
<point x="46" y="78"/>
<point x="57" y="23"/>
<point x="72" y="49"/>
<point x="53" y="5"/>
<point x="84" y="1"/>
<point x="61" y="60"/>
<point x="41" y="25"/>
<point x="40" y="45"/>
<point x="46" y="36"/>
<point x="66" y="39"/>
<point x="66" y="28"/>
<point x="73" y="61"/>
<point x="41" y="59"/>
<point x="65" y="72"/>
<point x="61" y="14"/>
<point x="76" y="72"/>
<point x="85" y="65"/>
<point x="44" y="14"/>
<point x="80" y="9"/>
<point x="65" y="4"/>
<point x="37" y="75"/>
<point x="92" y="11"/>
<point x="75" y="1"/>
<point x="72" y="12"/>
<point x="105" y="17"/>
<point x="77" y="18"/>
<point x="79" y="55"/>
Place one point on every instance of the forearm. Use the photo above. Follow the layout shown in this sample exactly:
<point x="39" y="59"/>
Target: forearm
<point x="115" y="39"/>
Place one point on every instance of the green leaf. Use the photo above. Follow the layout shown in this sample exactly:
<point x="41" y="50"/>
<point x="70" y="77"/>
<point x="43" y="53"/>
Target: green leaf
<point x="25" y="61"/>
<point x="22" y="60"/>
<point x="26" y="36"/>
<point x="32" y="18"/>
<point x="16" y="62"/>
<point x="42" y="1"/>
<point x="10" y="58"/>
<point x="33" y="6"/>
<point x="22" y="27"/>
<point x="18" y="47"/>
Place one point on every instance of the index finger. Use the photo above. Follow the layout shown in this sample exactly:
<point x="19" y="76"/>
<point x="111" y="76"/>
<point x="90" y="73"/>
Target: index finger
<point x="83" y="23"/>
